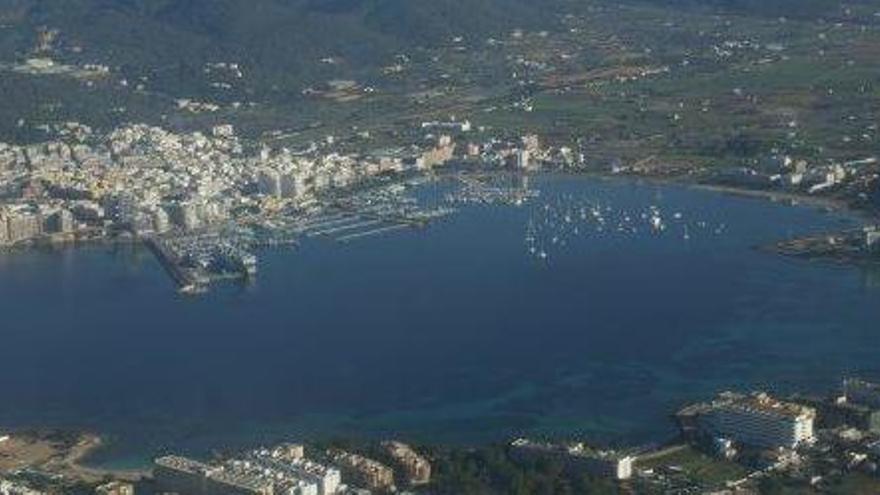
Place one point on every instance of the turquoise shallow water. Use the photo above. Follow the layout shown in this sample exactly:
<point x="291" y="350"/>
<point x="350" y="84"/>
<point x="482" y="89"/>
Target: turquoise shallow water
<point x="455" y="333"/>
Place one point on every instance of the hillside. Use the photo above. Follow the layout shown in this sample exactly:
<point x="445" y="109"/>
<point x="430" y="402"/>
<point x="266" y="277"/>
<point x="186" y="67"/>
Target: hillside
<point x="283" y="41"/>
<point x="276" y="36"/>
<point x="161" y="51"/>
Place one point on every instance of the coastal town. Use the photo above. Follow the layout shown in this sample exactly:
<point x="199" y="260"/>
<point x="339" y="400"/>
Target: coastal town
<point x="205" y="202"/>
<point x="593" y="96"/>
<point x="201" y="202"/>
<point x="734" y="443"/>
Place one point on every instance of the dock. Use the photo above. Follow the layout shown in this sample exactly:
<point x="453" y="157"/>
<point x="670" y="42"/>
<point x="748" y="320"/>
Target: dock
<point x="186" y="281"/>
<point x="381" y="230"/>
<point x="350" y="226"/>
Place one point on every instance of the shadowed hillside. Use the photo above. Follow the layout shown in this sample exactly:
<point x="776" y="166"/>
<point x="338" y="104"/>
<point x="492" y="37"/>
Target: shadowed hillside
<point x="277" y="35"/>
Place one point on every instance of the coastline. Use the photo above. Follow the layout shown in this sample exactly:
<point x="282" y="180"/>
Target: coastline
<point x="793" y="199"/>
<point x="62" y="453"/>
<point x="75" y="463"/>
<point x="785" y="197"/>
<point x="55" y="242"/>
<point x="78" y="458"/>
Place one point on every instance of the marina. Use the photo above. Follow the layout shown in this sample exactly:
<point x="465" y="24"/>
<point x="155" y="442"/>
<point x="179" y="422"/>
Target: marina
<point x="556" y="224"/>
<point x="197" y="260"/>
<point x="350" y="226"/>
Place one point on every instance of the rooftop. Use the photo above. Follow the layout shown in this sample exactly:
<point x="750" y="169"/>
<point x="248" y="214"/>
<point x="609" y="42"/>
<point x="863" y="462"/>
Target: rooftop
<point x="758" y="402"/>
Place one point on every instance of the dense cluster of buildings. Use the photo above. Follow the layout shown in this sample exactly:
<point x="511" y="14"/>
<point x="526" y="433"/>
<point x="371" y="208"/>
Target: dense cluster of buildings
<point x="138" y="178"/>
<point x="22" y="222"/>
<point x="147" y="180"/>
<point x="522" y="153"/>
<point x="201" y="197"/>
<point x="285" y="470"/>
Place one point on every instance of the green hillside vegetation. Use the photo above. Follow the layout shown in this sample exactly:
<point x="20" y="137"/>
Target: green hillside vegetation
<point x="274" y="36"/>
<point x="805" y="85"/>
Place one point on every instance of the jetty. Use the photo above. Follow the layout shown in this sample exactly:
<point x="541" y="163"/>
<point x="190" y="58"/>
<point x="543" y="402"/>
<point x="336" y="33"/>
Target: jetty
<point x="187" y="281"/>
<point x="381" y="230"/>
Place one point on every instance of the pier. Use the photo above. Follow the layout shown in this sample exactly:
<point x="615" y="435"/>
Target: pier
<point x="326" y="223"/>
<point x="381" y="230"/>
<point x="187" y="281"/>
<point x="350" y="226"/>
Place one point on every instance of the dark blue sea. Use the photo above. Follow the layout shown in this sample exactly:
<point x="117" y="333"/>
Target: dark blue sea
<point x="496" y="321"/>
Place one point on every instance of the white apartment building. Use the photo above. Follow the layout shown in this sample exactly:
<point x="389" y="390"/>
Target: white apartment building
<point x="755" y="420"/>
